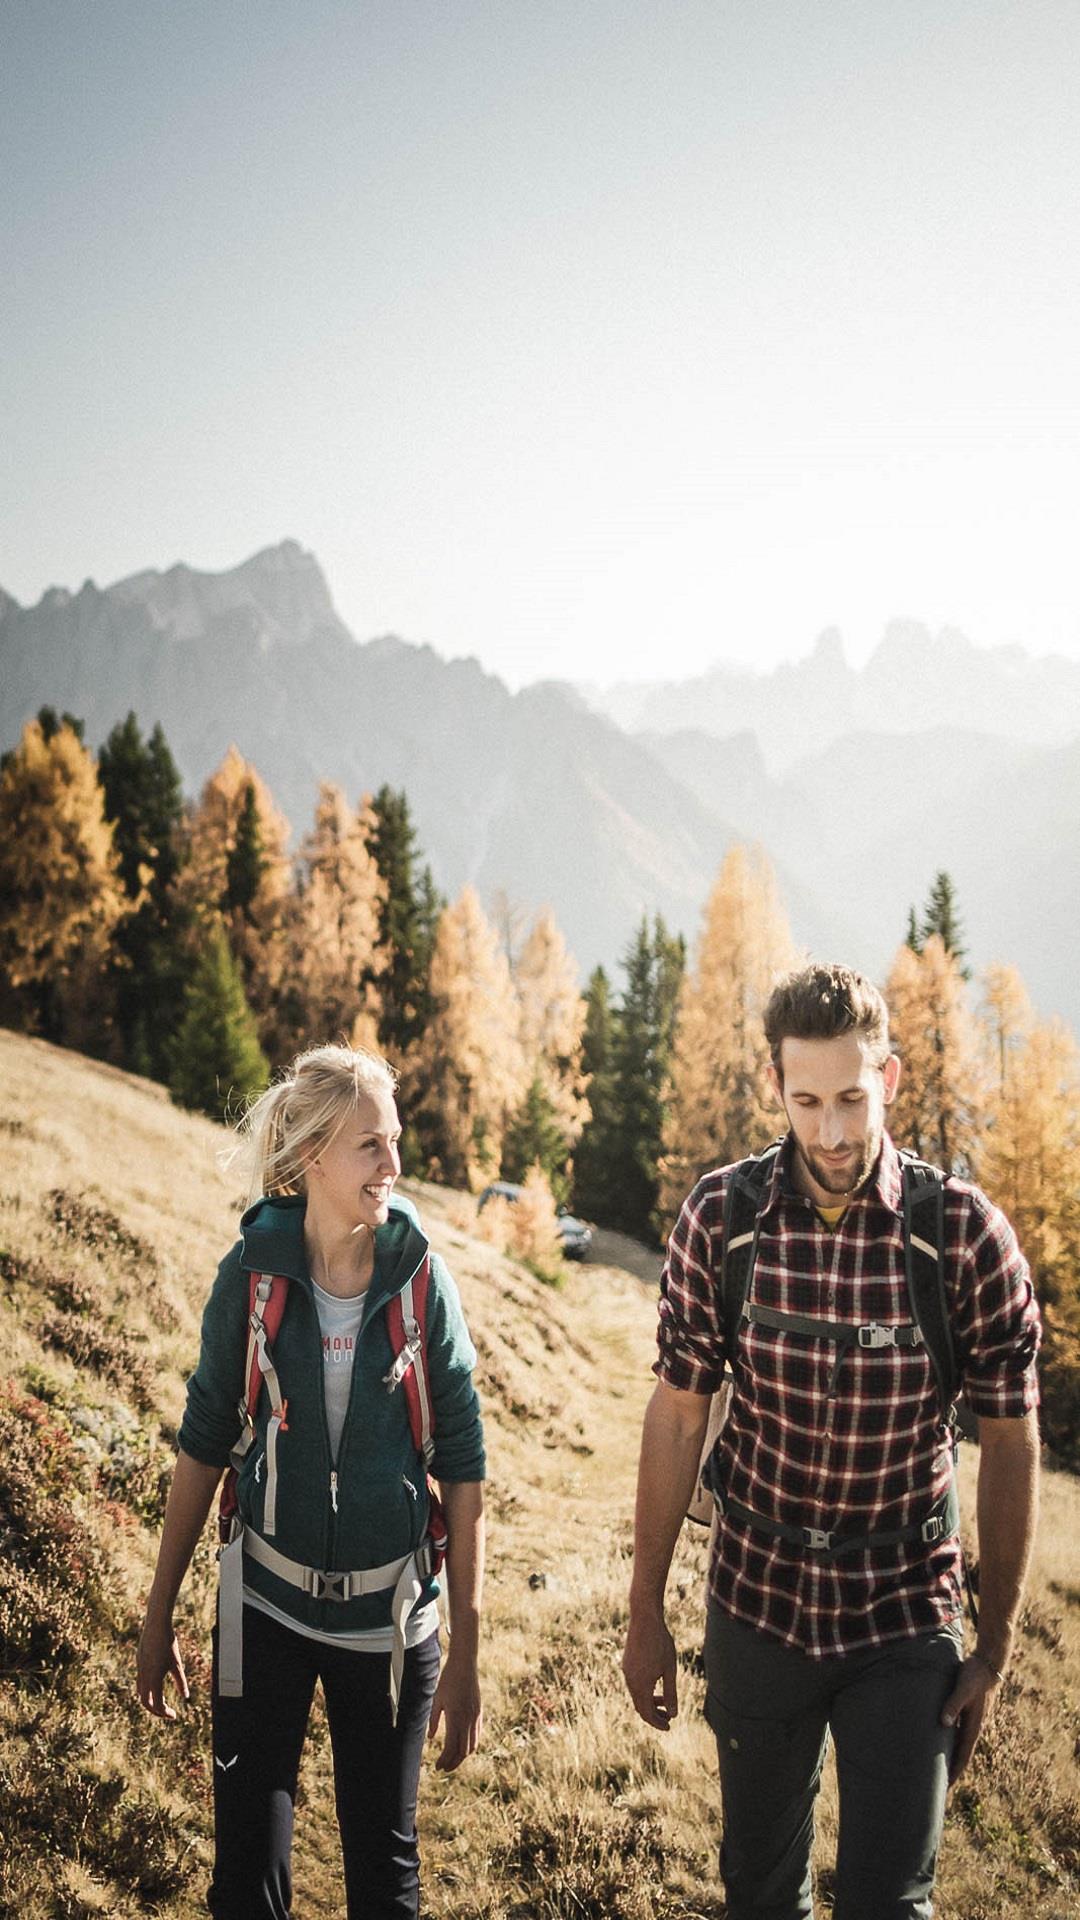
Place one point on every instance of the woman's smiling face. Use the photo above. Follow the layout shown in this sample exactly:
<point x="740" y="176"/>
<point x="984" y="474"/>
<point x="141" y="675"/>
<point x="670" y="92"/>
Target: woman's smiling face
<point x="352" y="1177"/>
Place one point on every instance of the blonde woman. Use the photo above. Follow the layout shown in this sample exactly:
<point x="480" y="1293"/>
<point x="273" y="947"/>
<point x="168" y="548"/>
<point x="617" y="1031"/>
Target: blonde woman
<point x="330" y="1570"/>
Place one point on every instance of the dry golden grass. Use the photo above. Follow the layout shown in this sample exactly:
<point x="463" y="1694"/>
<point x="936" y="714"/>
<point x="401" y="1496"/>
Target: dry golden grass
<point x="573" y="1808"/>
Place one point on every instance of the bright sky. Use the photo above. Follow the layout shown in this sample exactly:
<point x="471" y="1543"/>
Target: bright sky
<point x="599" y="338"/>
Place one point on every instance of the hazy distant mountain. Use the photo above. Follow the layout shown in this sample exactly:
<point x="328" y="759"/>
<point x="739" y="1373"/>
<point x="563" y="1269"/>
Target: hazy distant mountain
<point x="538" y="794"/>
<point x="867" y="821"/>
<point x="914" y="680"/>
<point x="533" y="793"/>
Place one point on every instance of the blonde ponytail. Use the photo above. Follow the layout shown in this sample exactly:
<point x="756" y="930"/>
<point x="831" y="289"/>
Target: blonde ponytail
<point x="300" y="1113"/>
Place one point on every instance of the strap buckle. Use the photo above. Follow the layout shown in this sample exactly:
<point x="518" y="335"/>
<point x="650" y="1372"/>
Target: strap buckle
<point x="876" y="1335"/>
<point x="816" y="1537"/>
<point x="932" y="1529"/>
<point x="326" y="1586"/>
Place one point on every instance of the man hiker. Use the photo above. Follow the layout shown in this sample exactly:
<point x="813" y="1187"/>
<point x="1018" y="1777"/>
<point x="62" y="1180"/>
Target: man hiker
<point x="835" y="1583"/>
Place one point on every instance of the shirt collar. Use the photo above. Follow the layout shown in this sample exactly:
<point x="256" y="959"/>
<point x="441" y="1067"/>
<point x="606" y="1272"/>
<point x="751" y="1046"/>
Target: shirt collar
<point x="884" y="1185"/>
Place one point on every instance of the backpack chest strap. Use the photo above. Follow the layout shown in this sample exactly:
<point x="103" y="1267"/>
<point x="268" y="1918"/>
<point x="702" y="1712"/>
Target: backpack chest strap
<point x="873" y="1334"/>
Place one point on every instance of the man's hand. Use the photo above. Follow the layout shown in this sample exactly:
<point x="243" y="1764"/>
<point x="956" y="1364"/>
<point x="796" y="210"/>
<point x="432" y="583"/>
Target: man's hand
<point x="966" y="1708"/>
<point x="649" y="1670"/>
<point x="457" y="1702"/>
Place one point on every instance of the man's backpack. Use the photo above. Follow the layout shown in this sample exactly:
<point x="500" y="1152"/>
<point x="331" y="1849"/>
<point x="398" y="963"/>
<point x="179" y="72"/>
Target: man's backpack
<point x="922" y="1188"/>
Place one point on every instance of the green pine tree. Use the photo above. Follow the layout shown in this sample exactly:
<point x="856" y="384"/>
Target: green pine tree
<point x="941" y="917"/>
<point x="616" y="1165"/>
<point x="245" y="863"/>
<point x="655" y="965"/>
<point x="143" y="799"/>
<point x="217" y="1061"/>
<point x="595" y="1169"/>
<point x="407" y="925"/>
<point x="535" y="1138"/>
<point x="913" y="938"/>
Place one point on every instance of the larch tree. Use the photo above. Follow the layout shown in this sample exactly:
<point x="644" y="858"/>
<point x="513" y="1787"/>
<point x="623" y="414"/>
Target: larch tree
<point x="61" y="894"/>
<point x="551" y="1019"/>
<point x="470" y="1067"/>
<point x="938" y="1110"/>
<point x="238" y="867"/>
<point x="719" y="1105"/>
<point x="1030" y="1164"/>
<point x="332" y="957"/>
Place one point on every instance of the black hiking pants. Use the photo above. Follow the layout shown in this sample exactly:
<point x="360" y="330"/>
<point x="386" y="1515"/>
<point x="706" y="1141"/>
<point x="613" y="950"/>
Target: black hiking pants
<point x="772" y="1709"/>
<point x="257" y="1745"/>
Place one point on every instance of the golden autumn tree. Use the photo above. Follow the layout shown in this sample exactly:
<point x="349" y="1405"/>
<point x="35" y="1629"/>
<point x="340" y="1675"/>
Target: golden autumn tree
<point x="938" y="1110"/>
<point x="719" y="1107"/>
<point x="469" y="1065"/>
<point x="332" y="959"/>
<point x="551" y="1017"/>
<point x="1030" y="1164"/>
<point x="61" y="895"/>
<point x="238" y="867"/>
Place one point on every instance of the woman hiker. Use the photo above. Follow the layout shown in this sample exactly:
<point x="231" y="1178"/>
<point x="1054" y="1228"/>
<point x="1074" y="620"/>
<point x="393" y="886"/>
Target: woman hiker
<point x="333" y="1538"/>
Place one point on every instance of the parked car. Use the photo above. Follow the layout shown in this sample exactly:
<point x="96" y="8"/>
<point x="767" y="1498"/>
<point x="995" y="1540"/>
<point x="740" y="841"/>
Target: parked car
<point x="575" y="1236"/>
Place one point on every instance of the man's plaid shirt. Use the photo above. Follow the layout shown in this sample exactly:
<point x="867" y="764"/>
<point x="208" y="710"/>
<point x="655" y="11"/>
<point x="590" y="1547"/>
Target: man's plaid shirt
<point x="875" y="1450"/>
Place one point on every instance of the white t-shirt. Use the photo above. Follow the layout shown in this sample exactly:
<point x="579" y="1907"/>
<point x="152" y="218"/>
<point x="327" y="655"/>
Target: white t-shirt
<point x="339" y="1324"/>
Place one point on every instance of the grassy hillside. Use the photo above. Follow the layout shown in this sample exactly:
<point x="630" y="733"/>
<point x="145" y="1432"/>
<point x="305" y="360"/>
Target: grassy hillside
<point x="112" y="1218"/>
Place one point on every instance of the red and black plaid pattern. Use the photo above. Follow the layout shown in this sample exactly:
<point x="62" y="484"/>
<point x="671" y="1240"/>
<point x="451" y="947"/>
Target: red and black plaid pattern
<point x="862" y="1444"/>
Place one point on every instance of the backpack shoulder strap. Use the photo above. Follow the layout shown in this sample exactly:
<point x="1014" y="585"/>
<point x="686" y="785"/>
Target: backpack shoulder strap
<point x="742" y="1214"/>
<point x="923" y="1189"/>
<point x="267" y="1294"/>
<point x="406" y="1319"/>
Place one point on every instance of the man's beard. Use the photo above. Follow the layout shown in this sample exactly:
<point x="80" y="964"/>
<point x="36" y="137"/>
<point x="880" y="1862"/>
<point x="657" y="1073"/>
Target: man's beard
<point x="848" y="1178"/>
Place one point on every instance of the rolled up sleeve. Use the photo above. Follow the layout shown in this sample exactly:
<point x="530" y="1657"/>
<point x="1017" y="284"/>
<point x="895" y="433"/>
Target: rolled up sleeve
<point x="999" y="1323"/>
<point x="689" y="1335"/>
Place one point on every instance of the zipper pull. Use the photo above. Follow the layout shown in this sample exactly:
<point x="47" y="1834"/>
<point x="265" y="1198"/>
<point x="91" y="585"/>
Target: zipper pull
<point x="258" y="1469"/>
<point x="408" y="1483"/>
<point x="333" y="1491"/>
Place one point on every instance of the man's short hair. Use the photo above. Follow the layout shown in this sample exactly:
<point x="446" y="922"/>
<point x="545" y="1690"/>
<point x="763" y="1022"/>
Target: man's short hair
<point x="819" y="1003"/>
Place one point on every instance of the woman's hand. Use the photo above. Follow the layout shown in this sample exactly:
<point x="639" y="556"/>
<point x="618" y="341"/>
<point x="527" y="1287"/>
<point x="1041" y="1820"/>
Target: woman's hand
<point x="457" y="1702"/>
<point x="159" y="1656"/>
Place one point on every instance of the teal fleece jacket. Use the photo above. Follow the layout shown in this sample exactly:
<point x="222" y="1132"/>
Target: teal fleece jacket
<point x="378" y="1508"/>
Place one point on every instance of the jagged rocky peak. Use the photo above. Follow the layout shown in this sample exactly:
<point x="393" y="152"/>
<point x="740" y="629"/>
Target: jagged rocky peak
<point x="8" y="604"/>
<point x="282" y="590"/>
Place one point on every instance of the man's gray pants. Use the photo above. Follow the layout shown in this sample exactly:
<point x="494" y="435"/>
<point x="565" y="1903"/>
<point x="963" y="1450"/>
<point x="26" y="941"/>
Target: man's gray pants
<point x="772" y="1708"/>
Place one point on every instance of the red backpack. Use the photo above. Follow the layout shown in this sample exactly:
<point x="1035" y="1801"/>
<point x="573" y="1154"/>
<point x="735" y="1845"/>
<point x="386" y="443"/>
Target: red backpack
<point x="406" y="1316"/>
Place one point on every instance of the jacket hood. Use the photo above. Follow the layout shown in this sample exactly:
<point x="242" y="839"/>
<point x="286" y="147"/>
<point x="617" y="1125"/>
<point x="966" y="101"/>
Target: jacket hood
<point x="272" y="1241"/>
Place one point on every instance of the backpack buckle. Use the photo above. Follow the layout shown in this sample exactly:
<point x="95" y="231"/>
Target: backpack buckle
<point x="326" y="1586"/>
<point x="816" y="1537"/>
<point x="875" y="1336"/>
<point x="932" y="1529"/>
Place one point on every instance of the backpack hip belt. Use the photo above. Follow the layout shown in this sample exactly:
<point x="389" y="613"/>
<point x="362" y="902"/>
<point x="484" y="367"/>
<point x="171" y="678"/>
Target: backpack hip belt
<point x="940" y="1524"/>
<point x="406" y="1576"/>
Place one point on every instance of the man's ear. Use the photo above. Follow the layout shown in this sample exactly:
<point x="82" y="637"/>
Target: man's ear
<point x="775" y="1083"/>
<point x="891" y="1076"/>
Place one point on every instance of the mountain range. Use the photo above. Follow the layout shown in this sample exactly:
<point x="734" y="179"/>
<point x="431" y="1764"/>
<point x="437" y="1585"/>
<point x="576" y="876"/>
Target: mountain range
<point x="859" y="784"/>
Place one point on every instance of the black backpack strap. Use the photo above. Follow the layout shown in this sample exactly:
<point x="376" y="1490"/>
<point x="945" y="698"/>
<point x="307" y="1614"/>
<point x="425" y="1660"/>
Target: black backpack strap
<point x="742" y="1225"/>
<point x="923" y="1188"/>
